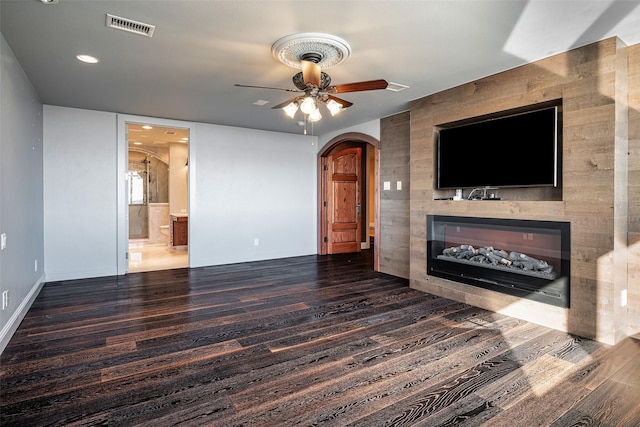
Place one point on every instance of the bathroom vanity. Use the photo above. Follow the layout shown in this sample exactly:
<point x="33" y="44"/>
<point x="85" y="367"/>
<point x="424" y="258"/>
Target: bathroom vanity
<point x="179" y="232"/>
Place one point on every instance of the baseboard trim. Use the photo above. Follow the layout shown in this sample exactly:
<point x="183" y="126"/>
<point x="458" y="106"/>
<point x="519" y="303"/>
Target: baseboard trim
<point x="16" y="318"/>
<point x="80" y="274"/>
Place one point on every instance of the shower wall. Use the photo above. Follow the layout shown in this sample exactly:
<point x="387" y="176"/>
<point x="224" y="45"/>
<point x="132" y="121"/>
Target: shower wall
<point x="148" y="183"/>
<point x="158" y="181"/>
<point x="138" y="222"/>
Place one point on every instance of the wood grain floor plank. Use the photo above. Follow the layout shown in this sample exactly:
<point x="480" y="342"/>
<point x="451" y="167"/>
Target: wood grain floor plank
<point x="422" y="404"/>
<point x="378" y="385"/>
<point x="468" y="411"/>
<point x="537" y="377"/>
<point x="311" y="340"/>
<point x="607" y="405"/>
<point x="541" y="410"/>
<point x="174" y="359"/>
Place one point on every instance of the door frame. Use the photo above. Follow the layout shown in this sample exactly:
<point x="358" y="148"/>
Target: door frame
<point x="122" y="223"/>
<point x="323" y="189"/>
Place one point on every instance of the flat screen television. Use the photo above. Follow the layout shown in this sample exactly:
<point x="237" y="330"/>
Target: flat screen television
<point x="519" y="150"/>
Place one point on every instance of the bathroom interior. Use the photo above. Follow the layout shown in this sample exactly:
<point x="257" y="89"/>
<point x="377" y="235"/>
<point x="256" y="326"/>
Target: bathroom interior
<point x="158" y="197"/>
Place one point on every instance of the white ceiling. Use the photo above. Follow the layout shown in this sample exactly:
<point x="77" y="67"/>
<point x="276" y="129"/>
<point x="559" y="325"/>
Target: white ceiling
<point x="200" y="49"/>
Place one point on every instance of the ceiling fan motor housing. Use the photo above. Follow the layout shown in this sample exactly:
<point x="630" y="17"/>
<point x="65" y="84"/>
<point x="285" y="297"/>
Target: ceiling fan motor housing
<point x="298" y="81"/>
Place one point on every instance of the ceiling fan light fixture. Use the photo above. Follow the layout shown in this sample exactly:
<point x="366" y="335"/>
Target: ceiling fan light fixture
<point x="311" y="53"/>
<point x="291" y="109"/>
<point x="308" y="105"/>
<point x="315" y="115"/>
<point x="334" y="107"/>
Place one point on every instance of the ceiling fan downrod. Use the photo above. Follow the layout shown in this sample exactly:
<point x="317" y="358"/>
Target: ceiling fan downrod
<point x="314" y="57"/>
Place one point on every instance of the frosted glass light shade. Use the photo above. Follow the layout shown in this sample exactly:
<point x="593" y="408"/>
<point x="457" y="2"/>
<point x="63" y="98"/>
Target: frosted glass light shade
<point x="308" y="105"/>
<point x="290" y="109"/>
<point x="334" y="107"/>
<point x="315" y="115"/>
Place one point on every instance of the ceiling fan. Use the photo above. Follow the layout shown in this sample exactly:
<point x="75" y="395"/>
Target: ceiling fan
<point x="310" y="52"/>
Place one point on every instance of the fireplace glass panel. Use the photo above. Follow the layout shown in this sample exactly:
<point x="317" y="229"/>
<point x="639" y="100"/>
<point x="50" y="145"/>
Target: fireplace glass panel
<point x="529" y="259"/>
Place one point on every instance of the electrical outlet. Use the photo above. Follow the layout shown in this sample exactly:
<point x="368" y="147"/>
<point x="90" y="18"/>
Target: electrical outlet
<point x="5" y="299"/>
<point x="35" y="266"/>
<point x="256" y="242"/>
<point x="3" y="241"/>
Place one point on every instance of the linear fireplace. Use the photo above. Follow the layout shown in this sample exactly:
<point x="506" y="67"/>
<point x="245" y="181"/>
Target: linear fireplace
<point x="524" y="258"/>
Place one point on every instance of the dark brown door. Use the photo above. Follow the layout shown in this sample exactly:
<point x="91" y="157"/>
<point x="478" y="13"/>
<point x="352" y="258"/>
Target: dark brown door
<point x="344" y="201"/>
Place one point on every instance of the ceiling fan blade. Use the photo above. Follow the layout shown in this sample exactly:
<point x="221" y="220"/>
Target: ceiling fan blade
<point x="359" y="86"/>
<point x="285" y="103"/>
<point x="345" y="104"/>
<point x="267" y="87"/>
<point x="310" y="72"/>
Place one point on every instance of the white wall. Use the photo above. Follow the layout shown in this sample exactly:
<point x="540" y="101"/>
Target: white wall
<point x="80" y="227"/>
<point x="244" y="185"/>
<point x="371" y="128"/>
<point x="21" y="210"/>
<point x="249" y="185"/>
<point x="178" y="178"/>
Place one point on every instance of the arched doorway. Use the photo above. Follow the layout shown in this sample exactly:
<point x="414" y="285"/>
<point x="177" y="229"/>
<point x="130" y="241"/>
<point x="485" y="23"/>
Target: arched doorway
<point x="369" y="184"/>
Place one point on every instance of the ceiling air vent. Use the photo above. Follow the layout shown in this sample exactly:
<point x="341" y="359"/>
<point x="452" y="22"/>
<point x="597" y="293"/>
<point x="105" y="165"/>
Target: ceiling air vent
<point x="130" y="25"/>
<point x="396" y="87"/>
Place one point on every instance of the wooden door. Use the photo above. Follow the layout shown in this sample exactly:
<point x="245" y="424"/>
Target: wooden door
<point x="344" y="201"/>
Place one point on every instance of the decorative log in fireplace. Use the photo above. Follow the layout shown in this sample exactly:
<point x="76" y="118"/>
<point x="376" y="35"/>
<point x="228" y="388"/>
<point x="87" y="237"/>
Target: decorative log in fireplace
<point x="529" y="259"/>
<point x="497" y="258"/>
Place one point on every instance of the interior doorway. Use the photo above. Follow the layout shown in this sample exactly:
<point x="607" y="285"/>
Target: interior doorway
<point x="345" y="199"/>
<point x="157" y="196"/>
<point x="348" y="189"/>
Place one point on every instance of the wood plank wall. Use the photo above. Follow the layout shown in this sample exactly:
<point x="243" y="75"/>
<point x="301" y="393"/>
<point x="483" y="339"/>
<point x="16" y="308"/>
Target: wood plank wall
<point x="394" y="203"/>
<point x="591" y="83"/>
<point x="634" y="189"/>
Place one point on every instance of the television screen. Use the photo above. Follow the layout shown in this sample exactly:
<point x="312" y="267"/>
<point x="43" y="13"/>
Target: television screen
<point x="519" y="150"/>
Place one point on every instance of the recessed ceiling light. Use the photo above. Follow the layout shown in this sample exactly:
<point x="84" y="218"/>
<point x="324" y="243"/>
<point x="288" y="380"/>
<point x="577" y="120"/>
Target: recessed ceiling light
<point x="260" y="102"/>
<point x="49" y="1"/>
<point x="147" y="127"/>
<point x="87" y="58"/>
<point x="137" y="143"/>
<point x="184" y="139"/>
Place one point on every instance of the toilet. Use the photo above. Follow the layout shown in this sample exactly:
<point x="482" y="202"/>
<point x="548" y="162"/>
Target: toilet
<point x="164" y="229"/>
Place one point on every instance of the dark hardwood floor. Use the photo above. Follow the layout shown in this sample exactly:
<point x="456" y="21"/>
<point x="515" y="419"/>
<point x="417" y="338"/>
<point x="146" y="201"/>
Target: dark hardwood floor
<point x="305" y="341"/>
